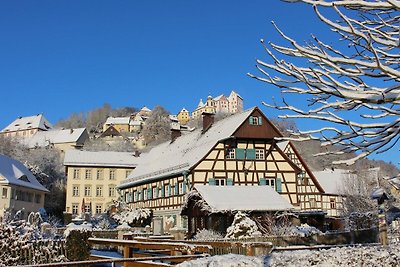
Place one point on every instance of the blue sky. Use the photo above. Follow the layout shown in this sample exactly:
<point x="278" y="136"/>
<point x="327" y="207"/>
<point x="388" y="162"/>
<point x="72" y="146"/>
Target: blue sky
<point x="59" y="57"/>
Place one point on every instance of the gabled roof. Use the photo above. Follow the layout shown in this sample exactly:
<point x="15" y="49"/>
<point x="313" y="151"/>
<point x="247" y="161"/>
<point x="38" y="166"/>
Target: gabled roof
<point x="333" y="181"/>
<point x="31" y="122"/>
<point x="42" y="139"/>
<point x="187" y="150"/>
<point x="100" y="158"/>
<point x="242" y="198"/>
<point x="219" y="97"/>
<point x="15" y="173"/>
<point x="201" y="104"/>
<point x="118" y="120"/>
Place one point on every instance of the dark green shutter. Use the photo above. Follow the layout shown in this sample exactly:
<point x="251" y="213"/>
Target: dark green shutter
<point x="211" y="181"/>
<point x="240" y="153"/>
<point x="250" y="154"/>
<point x="229" y="181"/>
<point x="169" y="189"/>
<point x="176" y="189"/>
<point x="278" y="185"/>
<point x="184" y="187"/>
<point x="263" y="181"/>
<point x="163" y="191"/>
<point x="150" y="193"/>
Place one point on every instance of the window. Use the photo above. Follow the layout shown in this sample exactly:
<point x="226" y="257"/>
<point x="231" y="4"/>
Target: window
<point x="230" y="153"/>
<point x="220" y="182"/>
<point x="87" y="207"/>
<point x="76" y="173"/>
<point x="313" y="203"/>
<point x="111" y="190"/>
<point x="5" y="192"/>
<point x="112" y="174"/>
<point x="253" y="120"/>
<point x="75" y="191"/>
<point x="270" y="182"/>
<point x="166" y="190"/>
<point x="99" y="191"/>
<point x="38" y="198"/>
<point x="155" y="192"/>
<point x="180" y="188"/>
<point x="99" y="175"/>
<point x="88" y="174"/>
<point x="74" y="208"/>
<point x="88" y="190"/>
<point x="29" y="197"/>
<point x="260" y="154"/>
<point x="127" y="172"/>
<point x="99" y="208"/>
<point x="145" y="194"/>
<point x="332" y="202"/>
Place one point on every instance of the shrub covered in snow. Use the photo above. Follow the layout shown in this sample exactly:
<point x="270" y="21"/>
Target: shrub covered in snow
<point x="17" y="236"/>
<point x="77" y="245"/>
<point x="205" y="234"/>
<point x="228" y="260"/>
<point x="305" y="230"/>
<point x="133" y="217"/>
<point x="242" y="227"/>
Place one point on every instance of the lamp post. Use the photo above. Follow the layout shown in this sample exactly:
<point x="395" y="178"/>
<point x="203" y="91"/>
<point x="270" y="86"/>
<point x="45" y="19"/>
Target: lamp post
<point x="380" y="195"/>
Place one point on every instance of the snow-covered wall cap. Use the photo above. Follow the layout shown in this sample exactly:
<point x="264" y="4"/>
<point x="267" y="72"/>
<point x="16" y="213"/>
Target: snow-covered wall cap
<point x="100" y="158"/>
<point x="42" y="139"/>
<point x="13" y="172"/>
<point x="242" y="198"/>
<point x="26" y="123"/>
<point x="333" y="181"/>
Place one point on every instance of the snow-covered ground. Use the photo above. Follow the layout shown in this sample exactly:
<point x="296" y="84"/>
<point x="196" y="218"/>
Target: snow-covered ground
<point x="368" y="256"/>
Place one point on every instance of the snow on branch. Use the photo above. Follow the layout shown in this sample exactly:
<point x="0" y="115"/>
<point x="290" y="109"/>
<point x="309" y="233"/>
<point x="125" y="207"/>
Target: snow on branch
<point x="360" y="81"/>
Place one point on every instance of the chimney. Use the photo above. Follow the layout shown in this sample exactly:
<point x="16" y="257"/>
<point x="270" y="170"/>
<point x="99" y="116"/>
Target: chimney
<point x="175" y="133"/>
<point x="208" y="120"/>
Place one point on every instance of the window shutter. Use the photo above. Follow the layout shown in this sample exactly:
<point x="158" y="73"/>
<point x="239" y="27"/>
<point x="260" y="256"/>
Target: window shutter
<point x="211" y="181"/>
<point x="251" y="120"/>
<point x="278" y="185"/>
<point x="260" y="120"/>
<point x="184" y="187"/>
<point x="263" y="181"/>
<point x="176" y="189"/>
<point x="136" y="195"/>
<point x="251" y="154"/>
<point x="229" y="181"/>
<point x="239" y="153"/>
<point x="162" y="191"/>
<point x="142" y="194"/>
<point x="169" y="189"/>
<point x="150" y="193"/>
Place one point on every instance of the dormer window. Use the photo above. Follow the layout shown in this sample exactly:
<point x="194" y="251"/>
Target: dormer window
<point x="24" y="178"/>
<point x="253" y="120"/>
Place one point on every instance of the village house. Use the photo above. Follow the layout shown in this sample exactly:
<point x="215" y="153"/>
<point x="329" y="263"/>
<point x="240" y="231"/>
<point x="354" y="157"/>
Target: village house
<point x="121" y="124"/>
<point x="26" y="126"/>
<point x="20" y="190"/>
<point x="183" y="116"/>
<point x="92" y="178"/>
<point x="62" y="140"/>
<point x="240" y="150"/>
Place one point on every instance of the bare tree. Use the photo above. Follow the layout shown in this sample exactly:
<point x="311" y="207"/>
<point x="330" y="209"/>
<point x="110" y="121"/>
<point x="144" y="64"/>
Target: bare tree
<point x="362" y="77"/>
<point x="157" y="127"/>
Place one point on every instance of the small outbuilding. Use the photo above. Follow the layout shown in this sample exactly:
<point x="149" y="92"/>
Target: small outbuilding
<point x="213" y="207"/>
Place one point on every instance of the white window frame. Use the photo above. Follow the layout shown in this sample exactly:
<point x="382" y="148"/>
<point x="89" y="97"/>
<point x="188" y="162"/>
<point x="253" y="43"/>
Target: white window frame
<point x="112" y="175"/>
<point x="111" y="190"/>
<point x="99" y="208"/>
<point x="76" y="174"/>
<point x="99" y="191"/>
<point x="270" y="182"/>
<point x="88" y="174"/>
<point x="75" y="208"/>
<point x="88" y="191"/>
<point x="260" y="154"/>
<point x="220" y="181"/>
<point x="254" y="120"/>
<point x="99" y="174"/>
<point x="230" y="153"/>
<point x="75" y="190"/>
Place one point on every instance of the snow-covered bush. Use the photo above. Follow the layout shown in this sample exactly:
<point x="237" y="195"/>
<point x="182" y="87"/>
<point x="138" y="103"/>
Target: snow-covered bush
<point x="133" y="217"/>
<point x="305" y="230"/>
<point x="205" y="234"/>
<point x="242" y="227"/>
<point x="358" y="220"/>
<point x="77" y="246"/>
<point x="19" y="236"/>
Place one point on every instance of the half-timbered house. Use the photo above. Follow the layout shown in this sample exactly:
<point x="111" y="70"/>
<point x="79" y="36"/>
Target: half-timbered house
<point x="240" y="150"/>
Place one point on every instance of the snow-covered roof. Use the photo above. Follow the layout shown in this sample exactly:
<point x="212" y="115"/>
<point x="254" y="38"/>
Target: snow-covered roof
<point x="171" y="158"/>
<point x="31" y="122"/>
<point x="333" y="181"/>
<point x="145" y="109"/>
<point x="201" y="104"/>
<point x="173" y="117"/>
<point x="15" y="173"/>
<point x="184" y="110"/>
<point x="218" y="97"/>
<point x="42" y="139"/>
<point x="282" y="145"/>
<point x="100" y="158"/>
<point x="242" y="198"/>
<point x="118" y="120"/>
<point x="135" y="123"/>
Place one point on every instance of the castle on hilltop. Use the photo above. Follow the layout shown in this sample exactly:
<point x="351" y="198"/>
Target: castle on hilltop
<point x="220" y="104"/>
